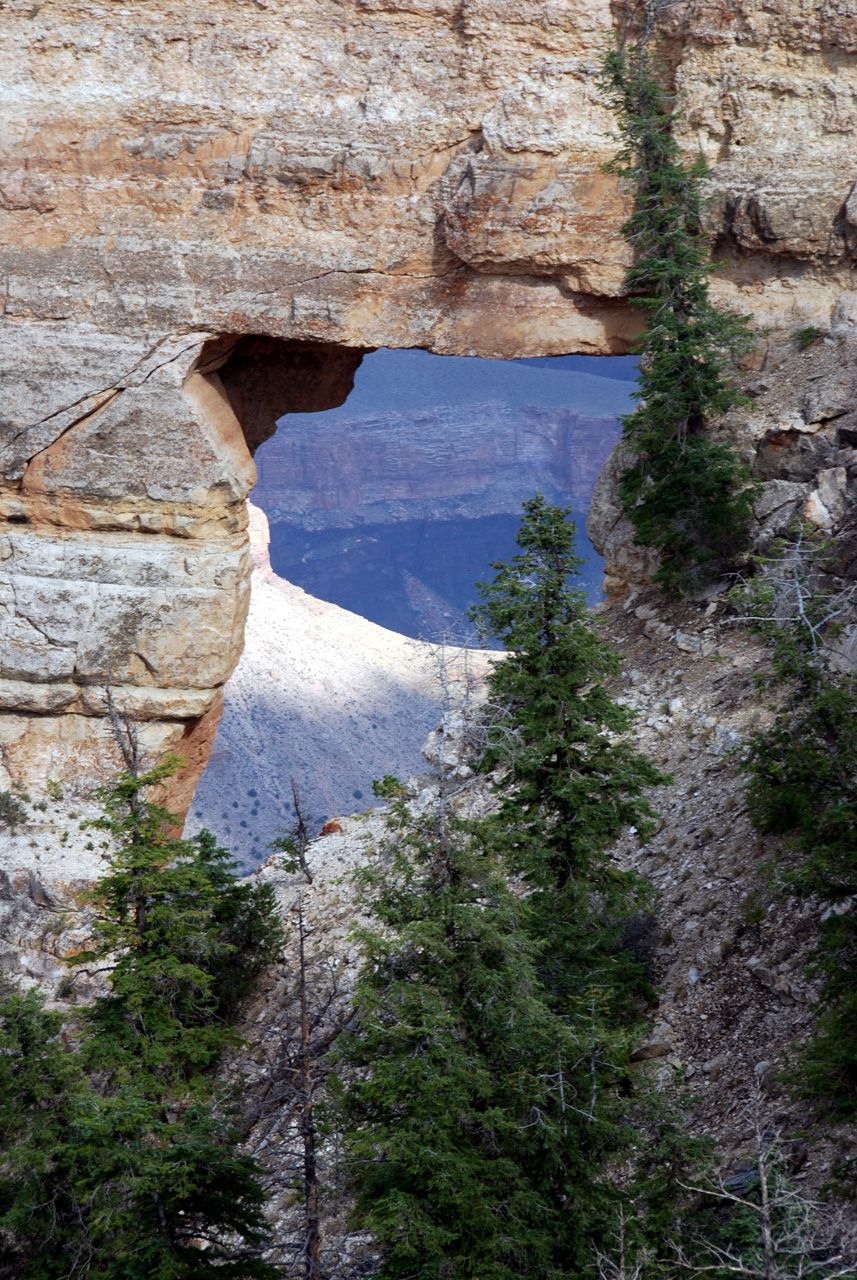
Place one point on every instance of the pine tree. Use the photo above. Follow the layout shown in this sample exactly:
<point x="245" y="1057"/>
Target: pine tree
<point x="573" y="780"/>
<point x="687" y="495"/>
<point x="185" y="939"/>
<point x="117" y="1137"/>
<point x="478" y="1120"/>
<point x="497" y="1004"/>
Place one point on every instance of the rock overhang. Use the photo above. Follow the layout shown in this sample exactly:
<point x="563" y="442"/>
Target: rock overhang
<point x="208" y="215"/>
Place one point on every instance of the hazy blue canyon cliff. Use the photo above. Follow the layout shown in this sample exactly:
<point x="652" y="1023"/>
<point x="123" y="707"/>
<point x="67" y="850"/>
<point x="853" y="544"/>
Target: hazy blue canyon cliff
<point x="394" y="504"/>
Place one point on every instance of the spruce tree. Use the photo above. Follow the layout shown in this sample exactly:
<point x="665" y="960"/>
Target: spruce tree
<point x="497" y="1004"/>
<point x="478" y="1120"/>
<point x="184" y="937"/>
<point x="686" y="495"/>
<point x="572" y="779"/>
<point x="117" y="1137"/>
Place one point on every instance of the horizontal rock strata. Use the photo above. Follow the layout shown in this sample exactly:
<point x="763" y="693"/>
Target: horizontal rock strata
<point x="208" y="212"/>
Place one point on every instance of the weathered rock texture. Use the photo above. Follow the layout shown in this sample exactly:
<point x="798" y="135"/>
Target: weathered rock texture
<point x="320" y="697"/>
<point x="798" y="433"/>
<point x="208" y="211"/>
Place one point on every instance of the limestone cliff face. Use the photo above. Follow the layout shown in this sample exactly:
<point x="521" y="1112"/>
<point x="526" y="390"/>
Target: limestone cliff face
<point x="208" y="212"/>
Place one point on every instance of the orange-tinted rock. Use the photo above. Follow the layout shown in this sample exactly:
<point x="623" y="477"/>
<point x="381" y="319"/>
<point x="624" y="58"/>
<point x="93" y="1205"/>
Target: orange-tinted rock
<point x="180" y="185"/>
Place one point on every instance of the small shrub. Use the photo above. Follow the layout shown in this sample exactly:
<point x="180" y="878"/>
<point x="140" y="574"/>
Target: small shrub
<point x="806" y="337"/>
<point x="388" y="788"/>
<point x="752" y="909"/>
<point x="12" y="811"/>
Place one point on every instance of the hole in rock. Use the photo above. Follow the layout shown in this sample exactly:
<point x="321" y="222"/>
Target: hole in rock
<point x="385" y="503"/>
<point x="393" y="504"/>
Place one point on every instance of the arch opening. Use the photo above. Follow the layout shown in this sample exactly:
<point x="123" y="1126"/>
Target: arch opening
<point x="393" y="479"/>
<point x="265" y="378"/>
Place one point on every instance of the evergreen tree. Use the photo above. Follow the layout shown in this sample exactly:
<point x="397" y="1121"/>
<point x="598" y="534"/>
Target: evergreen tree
<point x="572" y="778"/>
<point x="496" y="1004"/>
<point x="185" y="939"/>
<point x="478" y="1120"/>
<point x="117" y="1138"/>
<point x="687" y="495"/>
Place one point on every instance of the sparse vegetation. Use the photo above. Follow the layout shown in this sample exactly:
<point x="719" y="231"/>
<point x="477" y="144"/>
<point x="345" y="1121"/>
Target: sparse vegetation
<point x="752" y="909"/>
<point x="807" y="337"/>
<point x="12" y="811"/>
<point x="802" y="775"/>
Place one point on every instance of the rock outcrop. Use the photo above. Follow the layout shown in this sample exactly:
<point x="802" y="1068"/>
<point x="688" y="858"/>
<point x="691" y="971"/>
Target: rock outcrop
<point x="209" y="212"/>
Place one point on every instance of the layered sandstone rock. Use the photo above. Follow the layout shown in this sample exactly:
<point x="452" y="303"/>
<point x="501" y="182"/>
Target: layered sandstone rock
<point x="208" y="212"/>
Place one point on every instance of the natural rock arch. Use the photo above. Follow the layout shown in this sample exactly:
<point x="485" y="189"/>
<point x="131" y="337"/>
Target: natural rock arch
<point x="126" y="561"/>
<point x="202" y="206"/>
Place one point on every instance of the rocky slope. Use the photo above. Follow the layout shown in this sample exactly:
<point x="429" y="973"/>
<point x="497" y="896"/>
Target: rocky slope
<point x="320" y="696"/>
<point x="726" y="952"/>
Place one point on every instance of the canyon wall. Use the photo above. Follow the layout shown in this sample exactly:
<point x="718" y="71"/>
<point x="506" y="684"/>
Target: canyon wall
<point x="208" y="212"/>
<point x="425" y="438"/>
<point x="402" y="466"/>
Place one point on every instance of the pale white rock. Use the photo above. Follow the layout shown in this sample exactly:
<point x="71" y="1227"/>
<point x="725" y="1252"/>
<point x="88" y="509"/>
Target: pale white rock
<point x="325" y="697"/>
<point x="658" y="1044"/>
<point x="826" y="504"/>
<point x="777" y="506"/>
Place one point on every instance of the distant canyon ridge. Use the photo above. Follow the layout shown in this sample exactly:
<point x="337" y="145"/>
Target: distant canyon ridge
<point x="396" y="512"/>
<point x="210" y="213"/>
<point x="393" y="467"/>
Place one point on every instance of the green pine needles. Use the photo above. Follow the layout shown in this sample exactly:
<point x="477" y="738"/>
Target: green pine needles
<point x="117" y="1136"/>
<point x="686" y="495"/>
<point x="573" y="780"/>
<point x="498" y="1002"/>
<point x="479" y="1119"/>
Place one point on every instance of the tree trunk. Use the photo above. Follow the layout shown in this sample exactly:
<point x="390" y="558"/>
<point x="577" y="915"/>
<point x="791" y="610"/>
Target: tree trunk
<point x="312" y="1246"/>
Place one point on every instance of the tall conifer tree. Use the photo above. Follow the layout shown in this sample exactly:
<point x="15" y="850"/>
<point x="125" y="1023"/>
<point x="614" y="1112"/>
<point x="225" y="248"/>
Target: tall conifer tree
<point x="496" y="1004"/>
<point x="117" y="1138"/>
<point x="687" y="495"/>
<point x="573" y="779"/>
